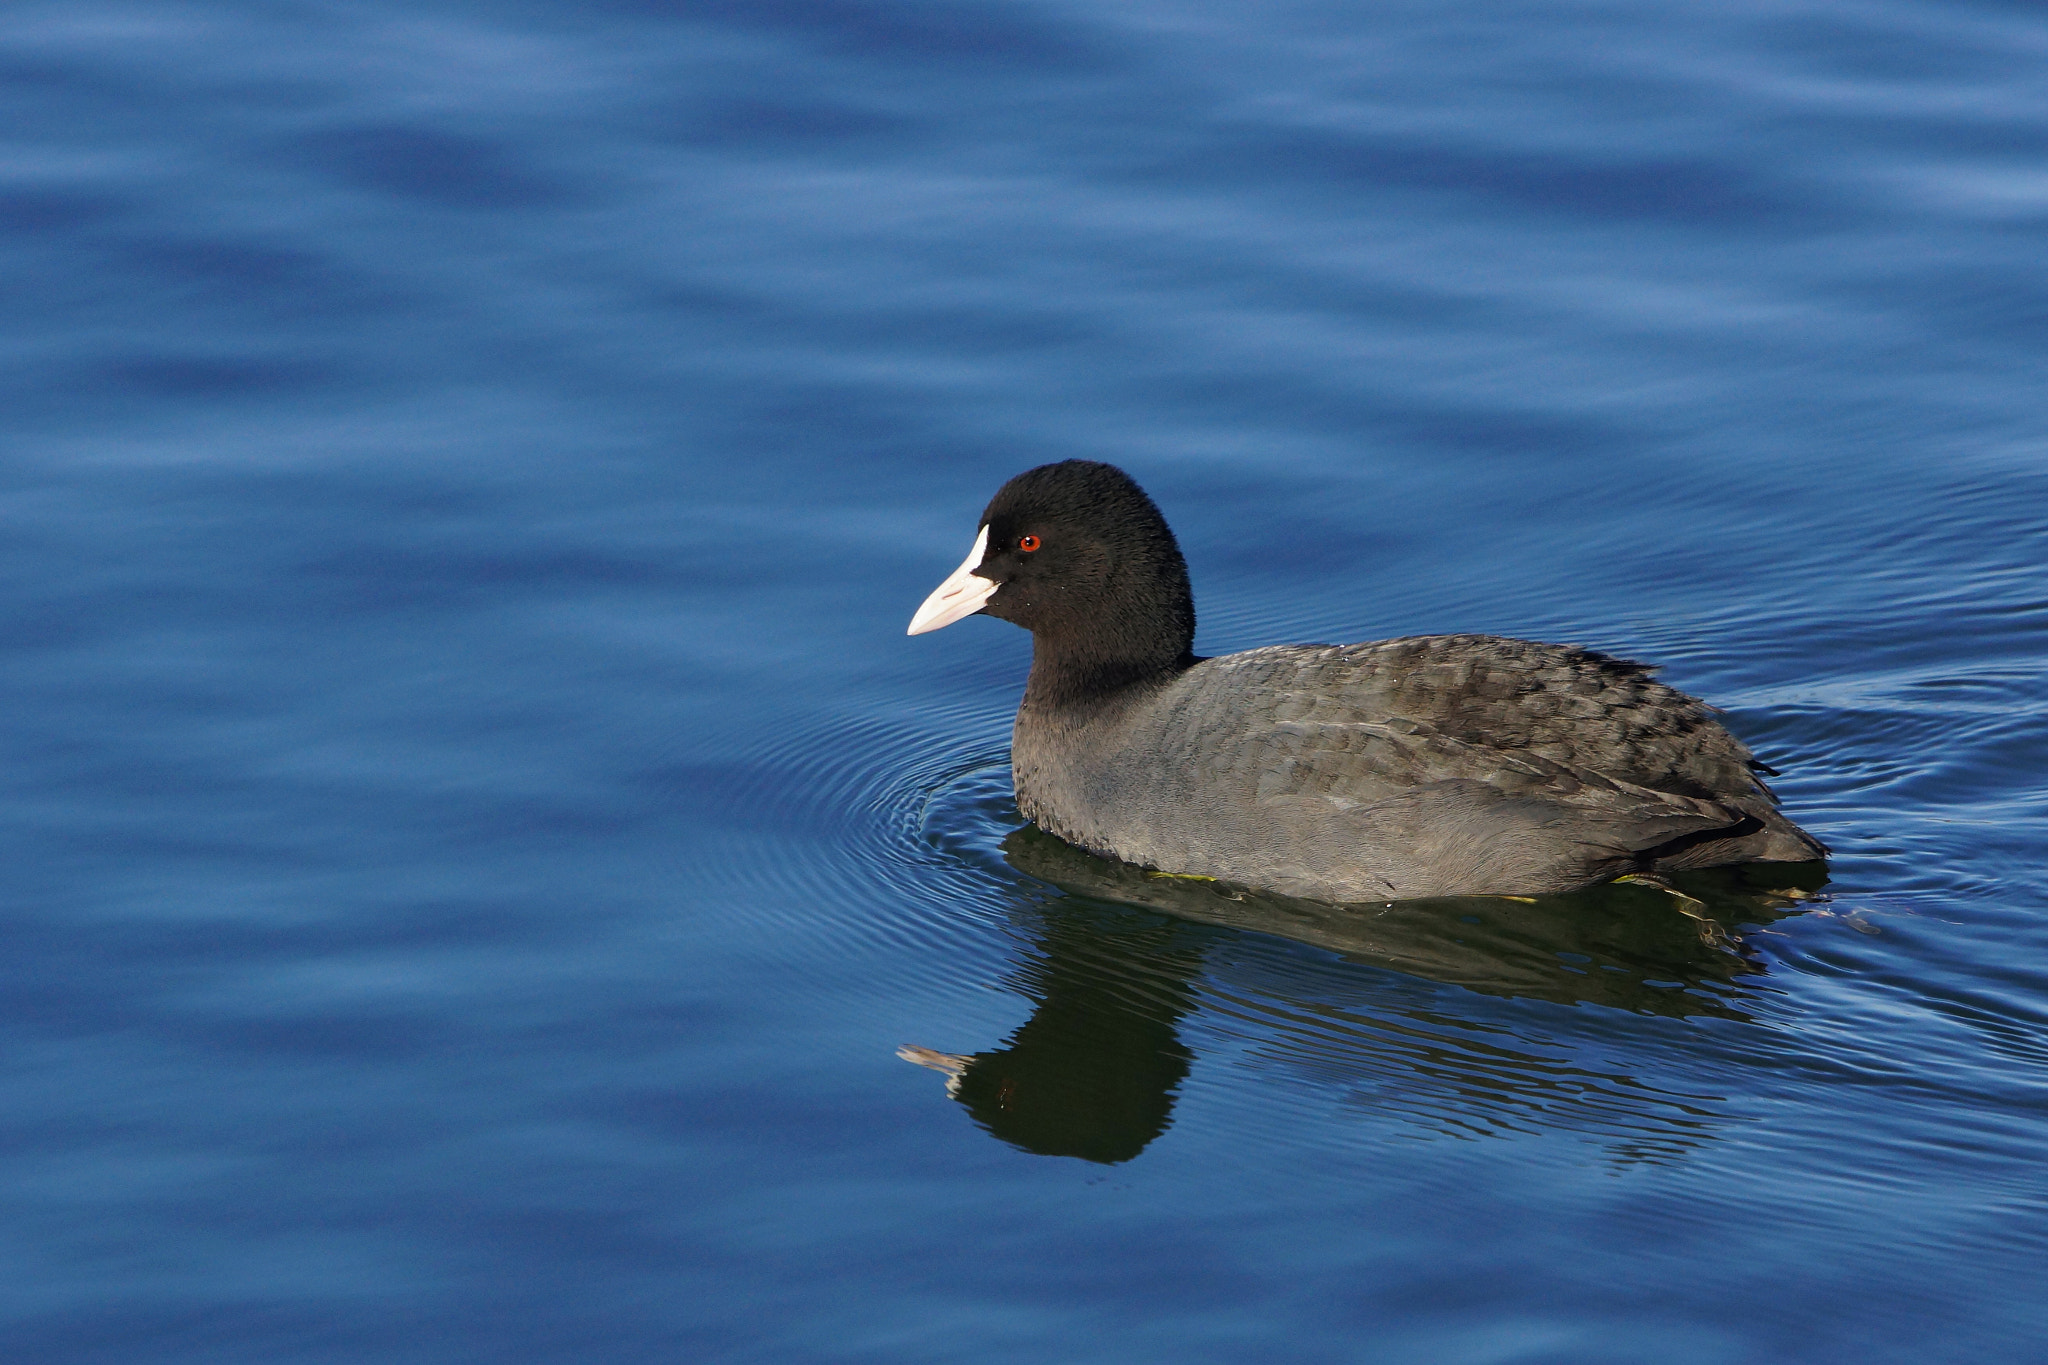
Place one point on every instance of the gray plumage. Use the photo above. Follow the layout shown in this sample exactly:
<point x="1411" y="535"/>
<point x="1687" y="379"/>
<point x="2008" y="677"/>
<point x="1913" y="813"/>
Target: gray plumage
<point x="1440" y="765"/>
<point x="1429" y="766"/>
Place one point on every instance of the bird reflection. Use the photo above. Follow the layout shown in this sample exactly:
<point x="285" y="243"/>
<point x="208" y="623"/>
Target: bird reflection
<point x="1093" y="1073"/>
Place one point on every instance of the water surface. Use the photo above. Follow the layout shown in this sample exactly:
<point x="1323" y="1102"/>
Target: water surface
<point x="478" y="834"/>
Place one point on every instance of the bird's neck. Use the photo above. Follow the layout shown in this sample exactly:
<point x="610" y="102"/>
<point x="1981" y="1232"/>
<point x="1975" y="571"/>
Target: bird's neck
<point x="1090" y="675"/>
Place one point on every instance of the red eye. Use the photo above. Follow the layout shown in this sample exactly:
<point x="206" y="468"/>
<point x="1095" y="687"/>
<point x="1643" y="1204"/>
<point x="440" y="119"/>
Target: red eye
<point x="1028" y="543"/>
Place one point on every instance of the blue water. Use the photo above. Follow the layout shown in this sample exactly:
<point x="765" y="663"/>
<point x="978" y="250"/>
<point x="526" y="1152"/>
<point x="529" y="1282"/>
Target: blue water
<point x="477" y="833"/>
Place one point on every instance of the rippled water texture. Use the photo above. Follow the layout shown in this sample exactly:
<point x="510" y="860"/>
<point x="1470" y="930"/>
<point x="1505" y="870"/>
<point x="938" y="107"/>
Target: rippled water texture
<point x="478" y="835"/>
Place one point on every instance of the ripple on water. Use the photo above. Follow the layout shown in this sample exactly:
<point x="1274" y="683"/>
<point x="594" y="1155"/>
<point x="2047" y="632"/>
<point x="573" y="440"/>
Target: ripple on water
<point x="850" y="874"/>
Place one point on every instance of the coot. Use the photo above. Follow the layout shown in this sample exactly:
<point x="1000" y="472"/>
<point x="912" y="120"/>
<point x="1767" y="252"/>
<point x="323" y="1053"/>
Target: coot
<point x="1435" y="765"/>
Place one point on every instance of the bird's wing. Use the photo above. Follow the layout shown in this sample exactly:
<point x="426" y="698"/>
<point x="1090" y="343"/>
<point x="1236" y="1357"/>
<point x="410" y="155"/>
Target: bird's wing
<point x="1584" y="712"/>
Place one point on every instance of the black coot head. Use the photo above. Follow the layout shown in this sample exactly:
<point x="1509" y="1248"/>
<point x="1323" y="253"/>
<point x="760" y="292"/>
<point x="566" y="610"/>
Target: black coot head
<point x="1077" y="554"/>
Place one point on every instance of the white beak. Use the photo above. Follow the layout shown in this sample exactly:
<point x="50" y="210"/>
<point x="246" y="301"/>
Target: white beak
<point x="960" y="595"/>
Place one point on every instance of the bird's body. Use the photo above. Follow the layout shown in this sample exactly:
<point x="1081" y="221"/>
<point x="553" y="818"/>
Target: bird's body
<point x="1430" y="766"/>
<point x="1427" y="766"/>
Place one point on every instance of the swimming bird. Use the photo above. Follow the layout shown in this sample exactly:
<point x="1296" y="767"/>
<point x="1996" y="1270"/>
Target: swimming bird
<point x="1433" y="765"/>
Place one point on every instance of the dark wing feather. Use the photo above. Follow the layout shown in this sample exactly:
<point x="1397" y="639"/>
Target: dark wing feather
<point x="1584" y="712"/>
